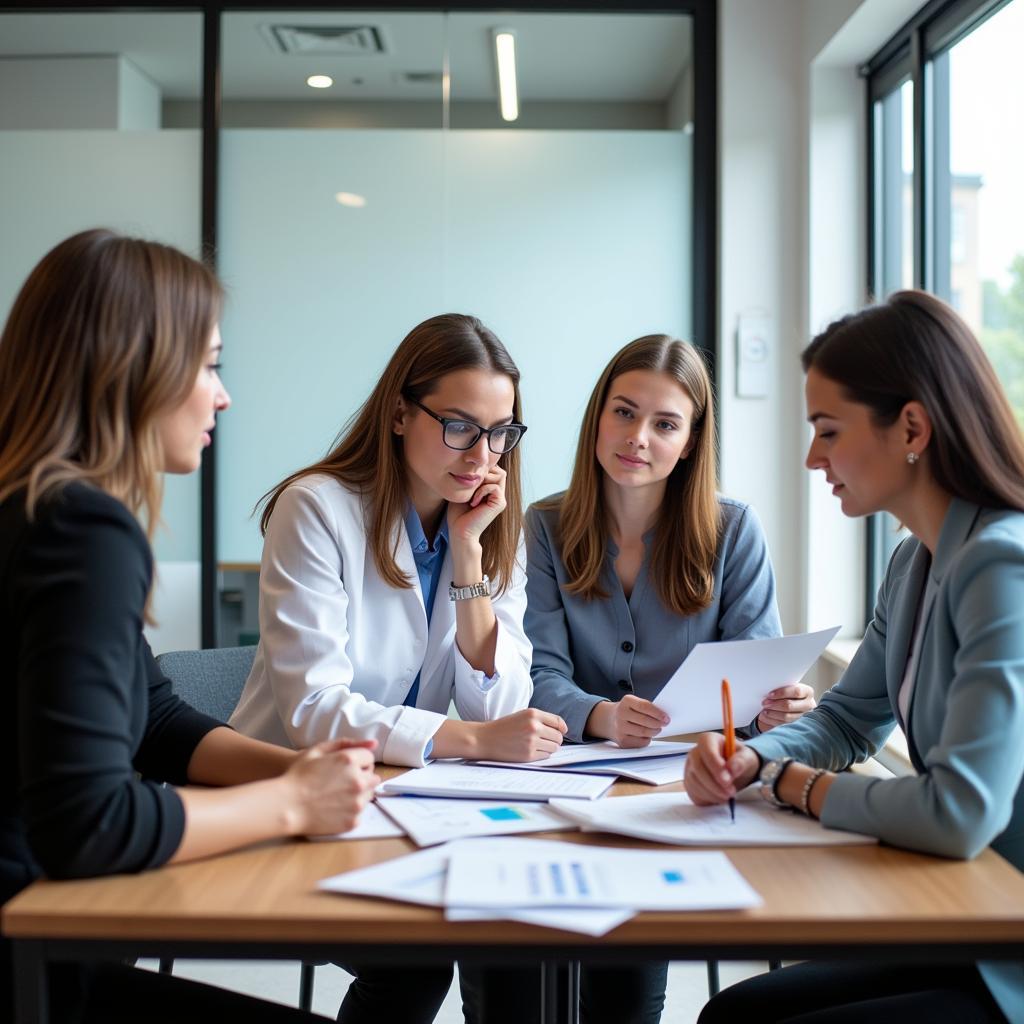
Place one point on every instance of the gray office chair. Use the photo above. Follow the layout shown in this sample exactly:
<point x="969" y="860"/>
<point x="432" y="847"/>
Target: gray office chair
<point x="212" y="681"/>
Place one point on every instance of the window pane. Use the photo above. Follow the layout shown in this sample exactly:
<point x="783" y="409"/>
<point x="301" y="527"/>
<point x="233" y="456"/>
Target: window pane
<point x="893" y="191"/>
<point x="978" y="97"/>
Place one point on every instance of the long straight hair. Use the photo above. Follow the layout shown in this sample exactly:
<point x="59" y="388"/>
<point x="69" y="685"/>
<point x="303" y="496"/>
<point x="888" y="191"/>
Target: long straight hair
<point x="106" y="334"/>
<point x="913" y="347"/>
<point x="689" y="522"/>
<point x="368" y="455"/>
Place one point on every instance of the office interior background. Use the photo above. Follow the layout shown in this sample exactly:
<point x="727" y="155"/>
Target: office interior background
<point x="737" y="173"/>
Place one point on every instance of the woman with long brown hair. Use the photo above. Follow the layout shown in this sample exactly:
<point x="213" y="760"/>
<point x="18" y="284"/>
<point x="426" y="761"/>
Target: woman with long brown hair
<point x="108" y="379"/>
<point x="633" y="565"/>
<point x="909" y="418"/>
<point x="392" y="584"/>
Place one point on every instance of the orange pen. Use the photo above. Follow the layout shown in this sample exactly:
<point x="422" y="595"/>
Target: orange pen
<point x="730" y="734"/>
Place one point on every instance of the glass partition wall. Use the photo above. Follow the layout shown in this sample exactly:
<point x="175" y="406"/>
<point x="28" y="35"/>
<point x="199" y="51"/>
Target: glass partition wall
<point x="363" y="169"/>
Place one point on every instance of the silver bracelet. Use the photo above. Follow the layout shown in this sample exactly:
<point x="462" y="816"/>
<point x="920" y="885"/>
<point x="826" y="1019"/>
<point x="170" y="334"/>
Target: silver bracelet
<point x="805" y="796"/>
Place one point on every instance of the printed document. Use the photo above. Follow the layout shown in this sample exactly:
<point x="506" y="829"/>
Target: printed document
<point x="455" y="779"/>
<point x="692" y="698"/>
<point x="501" y="873"/>
<point x="430" y="820"/>
<point x="583" y="756"/>
<point x="674" y="818"/>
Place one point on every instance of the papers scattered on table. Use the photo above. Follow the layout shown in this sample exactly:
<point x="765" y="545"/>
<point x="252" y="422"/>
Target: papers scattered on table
<point x="454" y="779"/>
<point x="582" y="756"/>
<point x="673" y="818"/>
<point x="655" y="771"/>
<point x="373" y="824"/>
<point x="502" y="873"/>
<point x="432" y="820"/>
<point x="589" y="889"/>
<point x="692" y="698"/>
<point x="420" y="878"/>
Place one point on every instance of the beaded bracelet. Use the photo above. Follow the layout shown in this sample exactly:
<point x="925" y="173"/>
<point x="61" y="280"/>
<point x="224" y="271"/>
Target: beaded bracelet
<point x="805" y="796"/>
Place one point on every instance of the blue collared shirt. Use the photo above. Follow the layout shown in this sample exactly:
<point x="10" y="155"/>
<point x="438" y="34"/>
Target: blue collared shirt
<point x="429" y="559"/>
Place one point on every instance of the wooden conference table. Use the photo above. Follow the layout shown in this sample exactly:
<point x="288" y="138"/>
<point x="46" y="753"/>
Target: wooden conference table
<point x="867" y="902"/>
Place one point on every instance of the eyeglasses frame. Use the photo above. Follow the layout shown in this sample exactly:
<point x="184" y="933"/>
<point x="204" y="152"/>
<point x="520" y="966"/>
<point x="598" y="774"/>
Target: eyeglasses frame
<point x="482" y="431"/>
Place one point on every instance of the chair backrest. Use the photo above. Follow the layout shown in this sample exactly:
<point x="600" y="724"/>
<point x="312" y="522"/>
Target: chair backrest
<point x="211" y="681"/>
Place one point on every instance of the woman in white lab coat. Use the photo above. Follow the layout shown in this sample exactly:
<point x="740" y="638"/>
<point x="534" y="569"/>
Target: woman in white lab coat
<point x="392" y="584"/>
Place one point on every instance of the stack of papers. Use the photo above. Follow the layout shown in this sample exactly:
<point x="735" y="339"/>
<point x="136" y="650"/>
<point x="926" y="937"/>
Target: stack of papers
<point x="656" y="764"/>
<point x="455" y="779"/>
<point x="674" y="818"/>
<point x="562" y="885"/>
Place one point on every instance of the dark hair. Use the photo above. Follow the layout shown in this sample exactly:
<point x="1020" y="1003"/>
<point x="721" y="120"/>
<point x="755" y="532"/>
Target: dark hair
<point x="686" y="541"/>
<point x="367" y="456"/>
<point x="913" y="347"/>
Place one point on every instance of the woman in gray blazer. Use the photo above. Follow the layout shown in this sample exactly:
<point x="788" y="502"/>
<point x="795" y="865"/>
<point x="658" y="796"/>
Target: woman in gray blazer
<point x="909" y="418"/>
<point x="633" y="565"/>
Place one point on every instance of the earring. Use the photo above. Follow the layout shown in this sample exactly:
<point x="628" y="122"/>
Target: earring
<point x="912" y="458"/>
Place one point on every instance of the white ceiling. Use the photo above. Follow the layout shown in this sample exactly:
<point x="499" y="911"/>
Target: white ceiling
<point x="560" y="57"/>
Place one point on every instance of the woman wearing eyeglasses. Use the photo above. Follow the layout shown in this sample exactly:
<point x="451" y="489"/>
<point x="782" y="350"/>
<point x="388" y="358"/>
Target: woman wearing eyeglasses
<point x="393" y="582"/>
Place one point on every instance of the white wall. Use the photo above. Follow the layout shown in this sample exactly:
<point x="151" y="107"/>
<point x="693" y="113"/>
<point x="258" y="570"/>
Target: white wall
<point x="793" y="244"/>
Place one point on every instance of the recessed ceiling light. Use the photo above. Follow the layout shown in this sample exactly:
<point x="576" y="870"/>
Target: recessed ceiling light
<point x="350" y="199"/>
<point x="320" y="81"/>
<point x="505" y="56"/>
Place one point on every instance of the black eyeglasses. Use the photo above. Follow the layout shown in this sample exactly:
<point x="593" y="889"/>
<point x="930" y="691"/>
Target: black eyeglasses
<point x="464" y="434"/>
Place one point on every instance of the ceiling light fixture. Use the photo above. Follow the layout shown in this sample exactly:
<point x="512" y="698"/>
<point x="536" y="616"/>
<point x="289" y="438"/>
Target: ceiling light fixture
<point x="319" y="81"/>
<point x="350" y="199"/>
<point x="505" y="56"/>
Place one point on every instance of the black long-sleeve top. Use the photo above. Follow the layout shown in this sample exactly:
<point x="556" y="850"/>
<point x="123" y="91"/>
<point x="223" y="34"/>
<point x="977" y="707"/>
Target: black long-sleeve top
<point x="87" y="706"/>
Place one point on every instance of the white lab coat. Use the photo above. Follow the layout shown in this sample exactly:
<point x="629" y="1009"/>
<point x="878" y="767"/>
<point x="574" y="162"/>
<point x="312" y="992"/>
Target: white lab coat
<point x="340" y="648"/>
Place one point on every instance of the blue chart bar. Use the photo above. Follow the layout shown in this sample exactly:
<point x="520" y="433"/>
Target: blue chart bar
<point x="557" y="882"/>
<point x="533" y="879"/>
<point x="580" y="875"/>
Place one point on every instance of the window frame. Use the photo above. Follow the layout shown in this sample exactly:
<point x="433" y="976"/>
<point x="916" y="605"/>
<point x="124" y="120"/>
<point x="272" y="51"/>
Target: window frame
<point x="919" y="51"/>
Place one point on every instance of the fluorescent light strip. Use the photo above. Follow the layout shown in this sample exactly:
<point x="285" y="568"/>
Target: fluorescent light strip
<point x="505" y="54"/>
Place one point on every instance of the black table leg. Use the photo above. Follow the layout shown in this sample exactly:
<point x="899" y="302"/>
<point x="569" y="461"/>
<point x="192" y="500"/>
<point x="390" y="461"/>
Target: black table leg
<point x="560" y="992"/>
<point x="31" y="997"/>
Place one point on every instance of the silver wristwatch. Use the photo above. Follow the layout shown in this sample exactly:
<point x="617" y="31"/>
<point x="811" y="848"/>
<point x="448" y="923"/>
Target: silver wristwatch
<point x="481" y="589"/>
<point x="771" y="772"/>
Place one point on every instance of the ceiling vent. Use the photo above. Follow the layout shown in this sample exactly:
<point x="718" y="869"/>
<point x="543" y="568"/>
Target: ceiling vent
<point x="315" y="40"/>
<point x="419" y="77"/>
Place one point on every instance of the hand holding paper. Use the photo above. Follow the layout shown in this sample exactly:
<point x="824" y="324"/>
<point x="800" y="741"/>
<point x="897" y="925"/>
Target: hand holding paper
<point x="692" y="697"/>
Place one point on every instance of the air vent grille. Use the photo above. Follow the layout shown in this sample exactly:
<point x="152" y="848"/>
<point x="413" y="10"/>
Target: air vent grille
<point x="313" y="40"/>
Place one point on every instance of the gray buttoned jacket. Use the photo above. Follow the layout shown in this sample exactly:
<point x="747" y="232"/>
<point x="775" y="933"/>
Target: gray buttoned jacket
<point x="586" y="651"/>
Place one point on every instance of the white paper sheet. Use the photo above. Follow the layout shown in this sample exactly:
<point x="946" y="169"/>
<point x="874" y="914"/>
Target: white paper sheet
<point x="658" y="771"/>
<point x="414" y="878"/>
<point x="430" y="820"/>
<point x="582" y="756"/>
<point x="692" y="698"/>
<point x="592" y="921"/>
<point x="673" y="818"/>
<point x="454" y="779"/>
<point x="373" y="824"/>
<point x="502" y="873"/>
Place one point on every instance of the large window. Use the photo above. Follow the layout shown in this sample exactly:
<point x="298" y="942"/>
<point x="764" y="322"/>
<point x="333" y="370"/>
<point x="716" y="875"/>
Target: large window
<point x="947" y="162"/>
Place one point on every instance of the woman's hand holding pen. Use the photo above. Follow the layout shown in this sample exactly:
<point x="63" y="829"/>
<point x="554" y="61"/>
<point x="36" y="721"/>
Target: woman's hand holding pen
<point x="710" y="778"/>
<point x="784" y="705"/>
<point x="629" y="722"/>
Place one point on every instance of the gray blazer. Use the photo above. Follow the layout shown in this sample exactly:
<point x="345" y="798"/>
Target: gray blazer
<point x="966" y="715"/>
<point x="588" y="651"/>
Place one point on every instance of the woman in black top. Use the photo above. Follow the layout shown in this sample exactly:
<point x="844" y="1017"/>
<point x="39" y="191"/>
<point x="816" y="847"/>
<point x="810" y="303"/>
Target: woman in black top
<point x="108" y="378"/>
